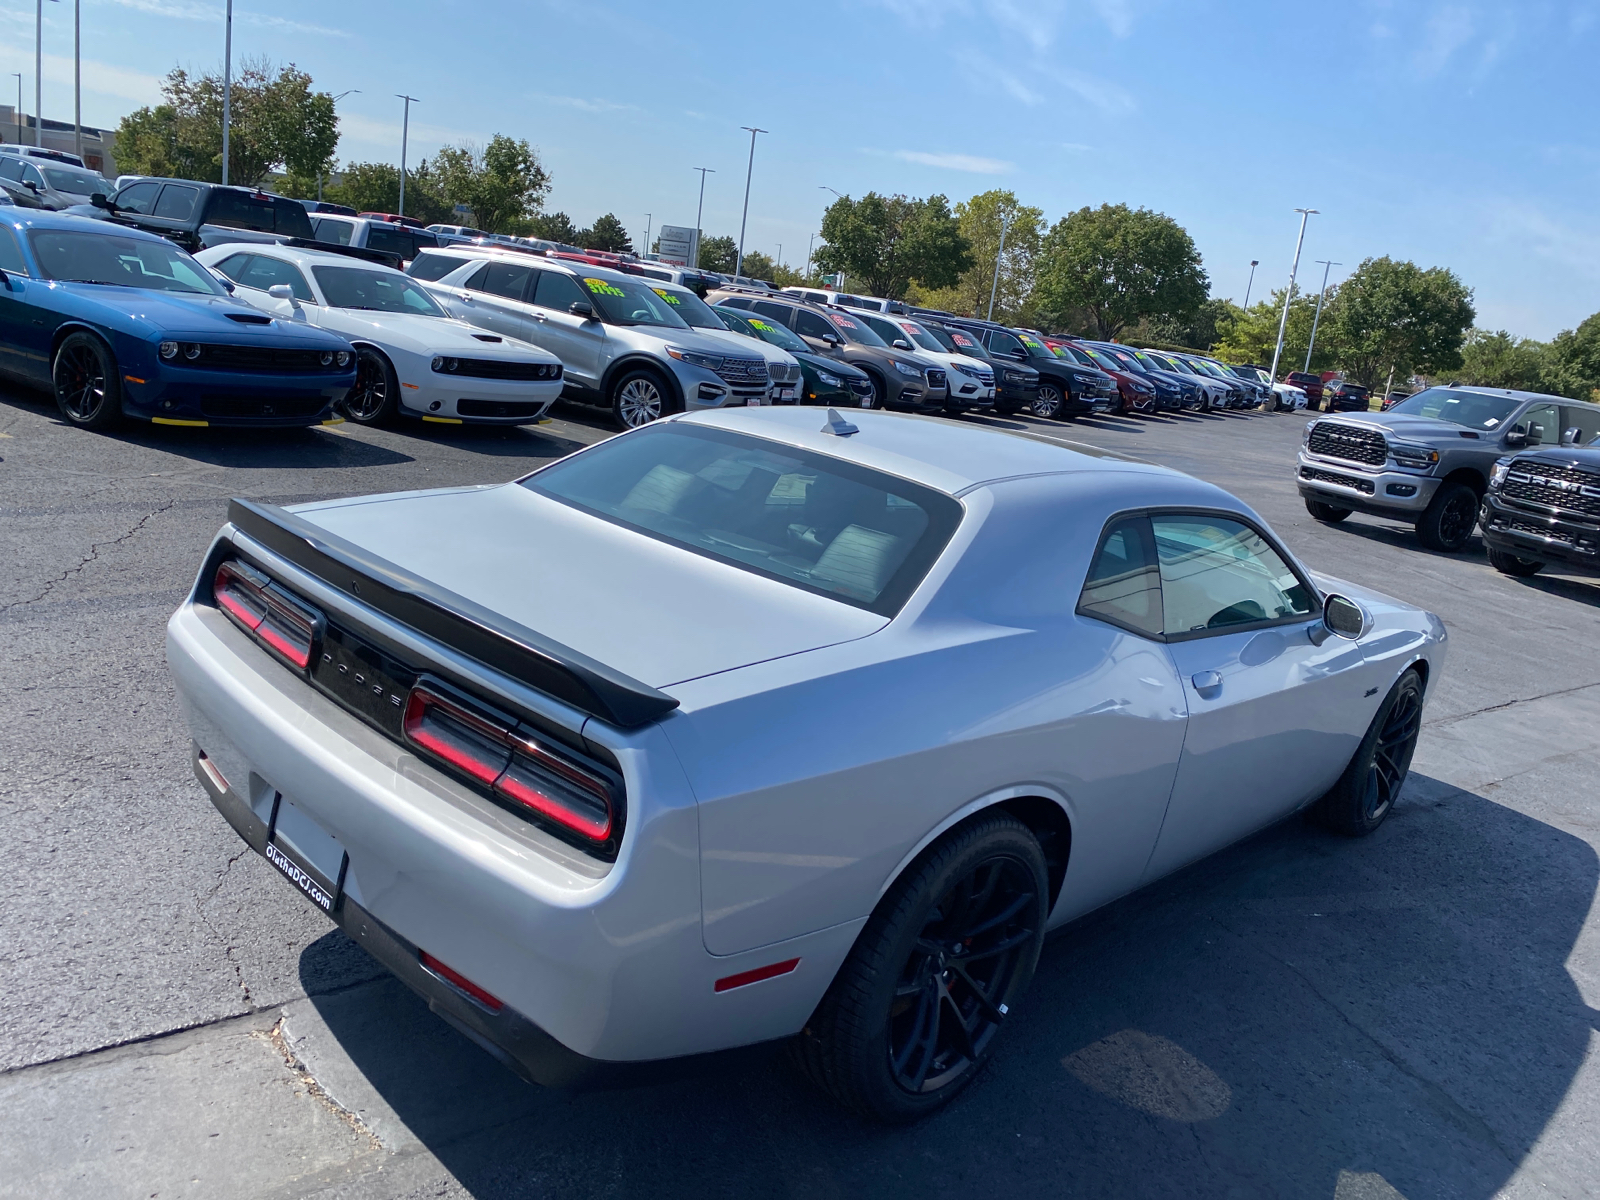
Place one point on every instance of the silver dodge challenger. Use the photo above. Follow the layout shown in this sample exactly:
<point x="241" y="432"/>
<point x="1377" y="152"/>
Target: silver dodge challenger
<point x="774" y="725"/>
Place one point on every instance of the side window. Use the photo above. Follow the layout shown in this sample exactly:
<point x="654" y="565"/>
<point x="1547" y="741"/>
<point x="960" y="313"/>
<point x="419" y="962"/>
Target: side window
<point x="11" y="168"/>
<point x="557" y="291"/>
<point x="30" y="174"/>
<point x="1585" y="418"/>
<point x="234" y="266"/>
<point x="813" y="325"/>
<point x="10" y="253"/>
<point x="337" y="232"/>
<point x="1001" y="342"/>
<point x="390" y="241"/>
<point x="176" y="202"/>
<point x="263" y="272"/>
<point x="773" y="312"/>
<point x="1124" y="584"/>
<point x="887" y="330"/>
<point x="509" y="280"/>
<point x="1217" y="573"/>
<point x="1542" y="424"/>
<point x="735" y="302"/>
<point x="431" y="267"/>
<point x="138" y="198"/>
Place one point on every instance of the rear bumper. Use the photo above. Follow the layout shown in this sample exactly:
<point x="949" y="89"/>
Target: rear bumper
<point x="1545" y="537"/>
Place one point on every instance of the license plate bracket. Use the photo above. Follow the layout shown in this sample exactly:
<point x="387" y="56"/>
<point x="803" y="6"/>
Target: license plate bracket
<point x="313" y="883"/>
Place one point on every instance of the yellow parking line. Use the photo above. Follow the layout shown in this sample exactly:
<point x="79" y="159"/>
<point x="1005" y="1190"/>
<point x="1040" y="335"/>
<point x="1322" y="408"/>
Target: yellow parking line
<point x="444" y="420"/>
<point x="334" y="421"/>
<point x="176" y="421"/>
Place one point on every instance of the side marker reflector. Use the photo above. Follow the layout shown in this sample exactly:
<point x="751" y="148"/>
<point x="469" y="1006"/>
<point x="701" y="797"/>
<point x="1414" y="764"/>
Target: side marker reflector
<point x="772" y="971"/>
<point x="133" y="379"/>
<point x="460" y="982"/>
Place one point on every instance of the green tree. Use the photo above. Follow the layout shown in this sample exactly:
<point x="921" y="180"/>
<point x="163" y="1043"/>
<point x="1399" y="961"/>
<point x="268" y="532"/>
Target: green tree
<point x="503" y="183"/>
<point x="718" y="254"/>
<point x="552" y="227"/>
<point x="885" y="243"/>
<point x="1574" y="368"/>
<point x="607" y="233"/>
<point x="375" y="187"/>
<point x="1251" y="336"/>
<point x="1395" y="316"/>
<point x="1500" y="360"/>
<point x="1122" y="265"/>
<point x="979" y="220"/>
<point x="278" y="123"/>
<point x="758" y="265"/>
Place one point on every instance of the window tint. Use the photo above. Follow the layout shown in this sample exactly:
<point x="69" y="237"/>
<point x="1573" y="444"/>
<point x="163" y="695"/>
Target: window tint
<point x="1217" y="573"/>
<point x="432" y="266"/>
<point x="233" y="265"/>
<point x="1471" y="409"/>
<point x="10" y="253"/>
<point x="557" y="291"/>
<point x="814" y="325"/>
<point x="176" y="202"/>
<point x="887" y="330"/>
<point x="737" y="302"/>
<point x="1124" y="584"/>
<point x="138" y="197"/>
<point x="1542" y="424"/>
<point x="1001" y="342"/>
<point x="337" y="232"/>
<point x="30" y="174"/>
<point x="378" y="291"/>
<point x="509" y="280"/>
<point x="142" y="262"/>
<point x="1585" y="418"/>
<point x="10" y="168"/>
<point x="261" y="273"/>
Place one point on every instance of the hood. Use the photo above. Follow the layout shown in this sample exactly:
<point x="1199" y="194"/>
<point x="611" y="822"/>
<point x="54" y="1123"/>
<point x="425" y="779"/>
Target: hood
<point x="747" y="347"/>
<point x="649" y="609"/>
<point x="1584" y="457"/>
<point x="834" y="366"/>
<point x="179" y="315"/>
<point x="429" y="335"/>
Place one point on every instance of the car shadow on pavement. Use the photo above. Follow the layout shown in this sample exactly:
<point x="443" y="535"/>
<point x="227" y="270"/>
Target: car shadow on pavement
<point x="295" y="449"/>
<point x="1300" y="1015"/>
<point x="504" y="441"/>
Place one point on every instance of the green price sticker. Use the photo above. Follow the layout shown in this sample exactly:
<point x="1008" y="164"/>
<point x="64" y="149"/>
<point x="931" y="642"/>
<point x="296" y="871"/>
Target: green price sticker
<point x="667" y="296"/>
<point x="761" y="325"/>
<point x="602" y="288"/>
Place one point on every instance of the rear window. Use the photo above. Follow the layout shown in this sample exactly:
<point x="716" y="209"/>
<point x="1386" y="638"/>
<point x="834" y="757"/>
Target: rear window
<point x="264" y="214"/>
<point x="807" y="520"/>
<point x="430" y="267"/>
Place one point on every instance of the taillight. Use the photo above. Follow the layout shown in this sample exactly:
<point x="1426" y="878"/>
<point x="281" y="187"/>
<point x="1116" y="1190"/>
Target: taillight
<point x="278" y="621"/>
<point x="238" y="593"/>
<point x="468" y="743"/>
<point x="558" y="789"/>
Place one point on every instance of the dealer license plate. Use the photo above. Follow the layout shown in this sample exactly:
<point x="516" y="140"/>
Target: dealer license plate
<point x="306" y="855"/>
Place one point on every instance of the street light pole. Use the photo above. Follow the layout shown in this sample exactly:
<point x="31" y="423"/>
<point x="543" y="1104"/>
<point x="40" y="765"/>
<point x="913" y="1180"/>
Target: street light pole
<point x="38" y="75"/>
<point x="1005" y="224"/>
<point x="227" y="88"/>
<point x="1254" y="263"/>
<point x="738" y="263"/>
<point x="1283" y="322"/>
<point x="405" y="135"/>
<point x="77" y="78"/>
<point x="1326" y="267"/>
<point x="694" y="253"/>
<point x="335" y="100"/>
<point x="648" y="218"/>
<point x="18" y="113"/>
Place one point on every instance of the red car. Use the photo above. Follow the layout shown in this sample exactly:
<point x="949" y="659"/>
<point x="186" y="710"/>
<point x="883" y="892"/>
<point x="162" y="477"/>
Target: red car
<point x="1133" y="393"/>
<point x="1308" y="383"/>
<point x="394" y="219"/>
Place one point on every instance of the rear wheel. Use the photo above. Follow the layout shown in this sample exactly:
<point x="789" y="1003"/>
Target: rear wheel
<point x="914" y="1012"/>
<point x="88" y="389"/>
<point x="880" y="389"/>
<point x="1448" y="521"/>
<point x="374" y="398"/>
<point x="638" y="397"/>
<point x="1510" y="564"/>
<point x="1367" y="791"/>
<point x="1049" y="403"/>
<point x="1330" y="513"/>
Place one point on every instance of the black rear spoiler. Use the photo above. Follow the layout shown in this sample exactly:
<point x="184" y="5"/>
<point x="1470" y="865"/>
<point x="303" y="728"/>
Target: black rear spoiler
<point x="387" y="257"/>
<point x="491" y="639"/>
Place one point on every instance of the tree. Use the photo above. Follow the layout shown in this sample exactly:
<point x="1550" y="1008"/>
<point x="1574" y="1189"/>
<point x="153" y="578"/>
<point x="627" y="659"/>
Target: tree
<point x="1574" y="367"/>
<point x="503" y="183"/>
<point x="1500" y="360"/>
<point x="758" y="265"/>
<point x="979" y="220"/>
<point x="889" y="242"/>
<point x="1394" y="316"/>
<point x="552" y="227"/>
<point x="375" y="187"/>
<point x="718" y="254"/>
<point x="1251" y="336"/>
<point x="1122" y="265"/>
<point x="278" y="122"/>
<point x="607" y="233"/>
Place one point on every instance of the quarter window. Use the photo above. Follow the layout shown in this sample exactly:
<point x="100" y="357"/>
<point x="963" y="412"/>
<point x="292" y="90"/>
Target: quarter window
<point x="1124" y="583"/>
<point x="1217" y="573"/>
<point x="509" y="280"/>
<point x="557" y="291"/>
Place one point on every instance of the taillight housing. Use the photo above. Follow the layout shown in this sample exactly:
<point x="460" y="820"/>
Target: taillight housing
<point x="280" y="622"/>
<point x="518" y="768"/>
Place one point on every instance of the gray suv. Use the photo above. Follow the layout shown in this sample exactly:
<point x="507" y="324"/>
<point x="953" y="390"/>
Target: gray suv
<point x="1427" y="460"/>
<point x="622" y="345"/>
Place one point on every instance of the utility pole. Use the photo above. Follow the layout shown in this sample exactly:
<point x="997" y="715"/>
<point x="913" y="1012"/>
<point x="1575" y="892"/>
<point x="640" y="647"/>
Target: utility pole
<point x="18" y="113"/>
<point x="227" y="87"/>
<point x="38" y="74"/>
<point x="405" y="135"/>
<point x="738" y="263"/>
<point x="1326" y="267"/>
<point x="648" y="218"/>
<point x="1254" y="263"/>
<point x="810" y="238"/>
<point x="1283" y="323"/>
<point x="77" y="78"/>
<point x="694" y="253"/>
<point x="1005" y="224"/>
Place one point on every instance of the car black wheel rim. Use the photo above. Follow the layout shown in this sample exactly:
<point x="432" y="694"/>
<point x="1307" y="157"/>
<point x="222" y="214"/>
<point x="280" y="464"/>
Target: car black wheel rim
<point x="1048" y="402"/>
<point x="639" y="402"/>
<point x="371" y="390"/>
<point x="1456" y="519"/>
<point x="949" y="999"/>
<point x="81" y="381"/>
<point x="1391" y="757"/>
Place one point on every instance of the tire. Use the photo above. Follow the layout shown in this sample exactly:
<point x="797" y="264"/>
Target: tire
<point x="1448" y="521"/>
<point x="880" y="389"/>
<point x="896" y="1037"/>
<point x="87" y="386"/>
<point x="1331" y="513"/>
<point x="1510" y="564"/>
<point x="1049" y="403"/>
<point x="639" y="396"/>
<point x="374" y="398"/>
<point x="1367" y="791"/>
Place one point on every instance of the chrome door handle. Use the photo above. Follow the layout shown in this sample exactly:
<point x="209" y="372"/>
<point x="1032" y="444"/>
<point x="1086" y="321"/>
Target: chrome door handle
<point x="466" y="297"/>
<point x="1207" y="683"/>
<point x="540" y="317"/>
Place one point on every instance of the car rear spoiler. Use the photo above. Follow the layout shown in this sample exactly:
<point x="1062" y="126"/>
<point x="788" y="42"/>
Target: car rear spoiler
<point x="387" y="258"/>
<point x="491" y="639"/>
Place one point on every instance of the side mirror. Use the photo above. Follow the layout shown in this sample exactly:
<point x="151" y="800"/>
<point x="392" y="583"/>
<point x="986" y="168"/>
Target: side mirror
<point x="1516" y="436"/>
<point x="831" y="339"/>
<point x="30" y="185"/>
<point x="1569" y="437"/>
<point x="99" y="200"/>
<point x="1341" y="617"/>
<point x="581" y="308"/>
<point x="281" y="291"/>
<point x="900" y="344"/>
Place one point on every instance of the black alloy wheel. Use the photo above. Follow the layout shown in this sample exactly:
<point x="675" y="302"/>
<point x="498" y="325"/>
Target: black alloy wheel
<point x="374" y="397"/>
<point x="1448" y="521"/>
<point x="915" y="1011"/>
<point x="1510" y="564"/>
<point x="88" y="389"/>
<point x="1370" y="786"/>
<point x="1049" y="403"/>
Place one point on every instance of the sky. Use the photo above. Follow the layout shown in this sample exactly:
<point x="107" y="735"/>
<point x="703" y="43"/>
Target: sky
<point x="1459" y="135"/>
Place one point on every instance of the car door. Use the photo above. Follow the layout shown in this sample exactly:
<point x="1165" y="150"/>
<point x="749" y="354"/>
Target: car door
<point x="813" y="327"/>
<point x="493" y="296"/>
<point x="1540" y="424"/>
<point x="1272" y="714"/>
<point x="20" y="337"/>
<point x="578" y="341"/>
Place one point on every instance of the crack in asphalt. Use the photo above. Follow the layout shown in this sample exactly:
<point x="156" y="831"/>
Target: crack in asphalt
<point x="94" y="553"/>
<point x="1582" y="687"/>
<point x="228" y="947"/>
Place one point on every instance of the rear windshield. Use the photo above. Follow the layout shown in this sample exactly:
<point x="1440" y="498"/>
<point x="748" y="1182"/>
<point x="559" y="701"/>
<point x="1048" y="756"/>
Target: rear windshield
<point x="1471" y="409"/>
<point x="265" y="214"/>
<point x="808" y="520"/>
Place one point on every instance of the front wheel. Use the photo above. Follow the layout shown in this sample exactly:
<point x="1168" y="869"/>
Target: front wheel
<point x="914" y="1011"/>
<point x="1367" y="791"/>
<point x="1510" y="564"/>
<point x="374" y="398"/>
<point x="87" y="386"/>
<point x="1330" y="513"/>
<point x="1448" y="521"/>
<point x="639" y="397"/>
<point x="1049" y="403"/>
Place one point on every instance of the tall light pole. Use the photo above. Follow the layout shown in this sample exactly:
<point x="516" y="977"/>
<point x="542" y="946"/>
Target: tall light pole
<point x="18" y="113"/>
<point x="1283" y="322"/>
<point x="648" y="217"/>
<point x="335" y="100"/>
<point x="1005" y="224"/>
<point x="77" y="78"/>
<point x="227" y="87"/>
<point x="1254" y="263"/>
<point x="738" y="263"/>
<point x="405" y="135"/>
<point x="38" y="74"/>
<point x="780" y="254"/>
<point x="694" y="253"/>
<point x="822" y="187"/>
<point x="1326" y="267"/>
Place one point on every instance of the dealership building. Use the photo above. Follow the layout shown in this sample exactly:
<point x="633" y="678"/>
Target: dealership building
<point x="98" y="144"/>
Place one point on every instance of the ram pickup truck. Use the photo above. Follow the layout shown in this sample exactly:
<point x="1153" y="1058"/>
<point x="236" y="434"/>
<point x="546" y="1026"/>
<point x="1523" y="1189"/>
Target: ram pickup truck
<point x="1543" y="508"/>
<point x="1427" y="461"/>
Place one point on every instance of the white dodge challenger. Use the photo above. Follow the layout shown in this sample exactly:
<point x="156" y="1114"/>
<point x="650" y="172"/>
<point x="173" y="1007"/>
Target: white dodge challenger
<point x="909" y="694"/>
<point x="412" y="357"/>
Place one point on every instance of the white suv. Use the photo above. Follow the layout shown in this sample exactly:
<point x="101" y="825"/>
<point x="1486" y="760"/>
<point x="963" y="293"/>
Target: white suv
<point x="622" y="344"/>
<point x="971" y="379"/>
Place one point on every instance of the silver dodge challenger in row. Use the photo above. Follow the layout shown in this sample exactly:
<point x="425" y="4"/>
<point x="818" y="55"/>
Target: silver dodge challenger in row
<point x="773" y="724"/>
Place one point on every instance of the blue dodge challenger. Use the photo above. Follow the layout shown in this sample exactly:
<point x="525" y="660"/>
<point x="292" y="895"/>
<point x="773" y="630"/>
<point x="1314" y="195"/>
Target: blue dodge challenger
<point x="118" y="322"/>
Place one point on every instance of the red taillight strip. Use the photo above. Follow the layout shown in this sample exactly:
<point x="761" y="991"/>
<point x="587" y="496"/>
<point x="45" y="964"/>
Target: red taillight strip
<point x="771" y="971"/>
<point x="283" y="624"/>
<point x="483" y="769"/>
<point x="460" y="982"/>
<point x="594" y="828"/>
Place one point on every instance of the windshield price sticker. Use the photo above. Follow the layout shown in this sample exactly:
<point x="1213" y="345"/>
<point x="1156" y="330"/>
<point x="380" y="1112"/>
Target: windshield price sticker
<point x="760" y="324"/>
<point x="667" y="296"/>
<point x="843" y="322"/>
<point x="602" y="288"/>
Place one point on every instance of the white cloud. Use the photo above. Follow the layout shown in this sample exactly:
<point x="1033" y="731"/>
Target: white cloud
<point x="1447" y="30"/>
<point x="213" y="13"/>
<point x="371" y="132"/>
<point x="583" y="104"/>
<point x="1117" y="14"/>
<point x="99" y="77"/>
<point x="956" y="162"/>
<point x="1102" y="94"/>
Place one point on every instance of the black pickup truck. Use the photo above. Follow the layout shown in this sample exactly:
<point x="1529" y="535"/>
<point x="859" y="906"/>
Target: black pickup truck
<point x="1543" y="507"/>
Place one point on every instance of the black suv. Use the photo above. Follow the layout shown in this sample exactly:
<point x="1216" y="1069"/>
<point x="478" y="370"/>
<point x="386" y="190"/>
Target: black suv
<point x="1543" y="507"/>
<point x="1065" y="389"/>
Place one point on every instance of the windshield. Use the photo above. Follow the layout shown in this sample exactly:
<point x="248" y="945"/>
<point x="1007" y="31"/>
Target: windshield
<point x="696" y="313"/>
<point x="778" y="335"/>
<point x="71" y="179"/>
<point x="808" y="520"/>
<point x="922" y="337"/>
<point x="127" y="262"/>
<point x="624" y="302"/>
<point x="1035" y="348"/>
<point x="1104" y="361"/>
<point x="964" y="343"/>
<point x="1149" y="362"/>
<point x="377" y="291"/>
<point x="1470" y="409"/>
<point x="855" y="330"/>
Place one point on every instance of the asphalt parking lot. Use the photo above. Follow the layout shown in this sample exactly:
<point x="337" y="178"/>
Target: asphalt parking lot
<point x="1415" y="1014"/>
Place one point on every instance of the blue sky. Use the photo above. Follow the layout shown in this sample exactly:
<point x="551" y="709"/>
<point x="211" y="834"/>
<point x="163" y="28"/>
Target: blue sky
<point x="1454" y="134"/>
